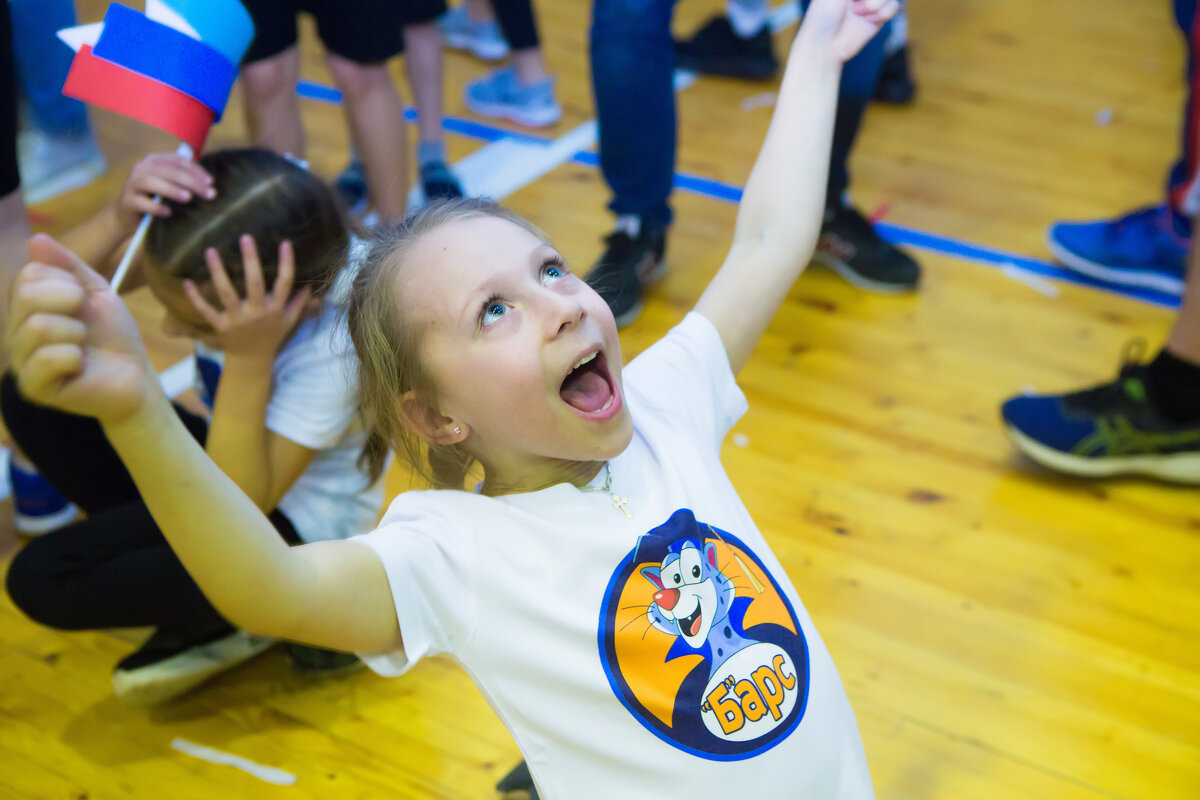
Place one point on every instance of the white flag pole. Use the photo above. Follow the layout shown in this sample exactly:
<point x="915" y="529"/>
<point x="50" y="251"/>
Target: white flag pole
<point x="135" y="243"/>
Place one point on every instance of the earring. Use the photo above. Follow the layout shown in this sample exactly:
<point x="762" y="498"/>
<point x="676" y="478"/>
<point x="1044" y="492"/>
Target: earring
<point x="457" y="431"/>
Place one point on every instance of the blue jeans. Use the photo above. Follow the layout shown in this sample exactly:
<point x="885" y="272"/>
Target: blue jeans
<point x="42" y="62"/>
<point x="1183" y="191"/>
<point x="633" y="59"/>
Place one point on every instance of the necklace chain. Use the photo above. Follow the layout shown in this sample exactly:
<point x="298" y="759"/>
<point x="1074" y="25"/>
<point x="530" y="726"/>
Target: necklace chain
<point x="618" y="502"/>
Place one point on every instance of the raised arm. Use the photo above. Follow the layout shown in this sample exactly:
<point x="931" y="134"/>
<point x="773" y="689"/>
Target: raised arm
<point x="780" y="214"/>
<point x="165" y="175"/>
<point x="75" y="347"/>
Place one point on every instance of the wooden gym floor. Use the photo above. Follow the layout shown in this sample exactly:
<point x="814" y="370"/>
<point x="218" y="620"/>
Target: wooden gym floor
<point x="1003" y="632"/>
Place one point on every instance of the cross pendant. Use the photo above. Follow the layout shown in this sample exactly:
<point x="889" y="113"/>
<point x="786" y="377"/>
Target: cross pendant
<point x="621" y="503"/>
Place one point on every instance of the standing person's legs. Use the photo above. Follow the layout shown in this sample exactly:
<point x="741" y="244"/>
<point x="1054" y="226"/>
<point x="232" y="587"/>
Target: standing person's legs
<point x="58" y="152"/>
<point x="270" y="70"/>
<point x="360" y="36"/>
<point x="1146" y="421"/>
<point x="423" y="62"/>
<point x="633" y="62"/>
<point x="523" y="91"/>
<point x="1183" y="181"/>
<point x="1147" y="247"/>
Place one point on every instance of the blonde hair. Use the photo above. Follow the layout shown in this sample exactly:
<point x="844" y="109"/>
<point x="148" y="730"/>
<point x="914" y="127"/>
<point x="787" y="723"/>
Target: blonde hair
<point x="388" y="346"/>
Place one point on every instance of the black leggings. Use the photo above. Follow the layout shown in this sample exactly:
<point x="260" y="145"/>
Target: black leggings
<point x="114" y="569"/>
<point x="515" y="18"/>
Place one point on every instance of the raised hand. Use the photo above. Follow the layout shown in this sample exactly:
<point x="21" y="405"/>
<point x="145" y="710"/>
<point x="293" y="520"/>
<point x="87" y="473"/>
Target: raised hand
<point x="844" y="26"/>
<point x="256" y="326"/>
<point x="73" y="344"/>
<point x="162" y="175"/>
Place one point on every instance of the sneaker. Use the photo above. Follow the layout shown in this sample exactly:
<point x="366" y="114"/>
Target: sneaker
<point x="629" y="263"/>
<point x="351" y="186"/>
<point x="1111" y="429"/>
<point x="463" y="33"/>
<point x="716" y="49"/>
<point x="173" y="662"/>
<point x="438" y="182"/>
<point x="37" y="506"/>
<point x="518" y="780"/>
<point x="54" y="165"/>
<point x="317" y="661"/>
<point x="1139" y="249"/>
<point x="896" y="84"/>
<point x="851" y="247"/>
<point x="500" y="94"/>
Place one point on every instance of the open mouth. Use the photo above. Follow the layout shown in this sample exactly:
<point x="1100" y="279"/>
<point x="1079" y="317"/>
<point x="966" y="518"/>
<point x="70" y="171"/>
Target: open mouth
<point x="690" y="625"/>
<point x="588" y="386"/>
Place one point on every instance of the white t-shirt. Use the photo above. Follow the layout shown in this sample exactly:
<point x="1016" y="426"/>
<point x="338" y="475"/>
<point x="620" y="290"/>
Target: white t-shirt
<point x="314" y="404"/>
<point x="659" y="656"/>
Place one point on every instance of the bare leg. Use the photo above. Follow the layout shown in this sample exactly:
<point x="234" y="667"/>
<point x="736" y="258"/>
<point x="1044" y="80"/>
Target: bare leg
<point x="272" y="111"/>
<point x="376" y="119"/>
<point x="529" y="66"/>
<point x="1184" y="340"/>
<point x="423" y="62"/>
<point x="480" y="10"/>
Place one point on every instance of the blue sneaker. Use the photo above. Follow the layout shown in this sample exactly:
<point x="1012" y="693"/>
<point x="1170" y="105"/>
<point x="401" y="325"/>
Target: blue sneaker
<point x="463" y="33"/>
<point x="37" y="506"/>
<point x="500" y="94"/>
<point x="1111" y="429"/>
<point x="1139" y="249"/>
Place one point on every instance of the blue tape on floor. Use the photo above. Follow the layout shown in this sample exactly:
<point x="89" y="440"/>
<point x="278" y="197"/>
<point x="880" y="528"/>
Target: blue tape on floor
<point x="707" y="187"/>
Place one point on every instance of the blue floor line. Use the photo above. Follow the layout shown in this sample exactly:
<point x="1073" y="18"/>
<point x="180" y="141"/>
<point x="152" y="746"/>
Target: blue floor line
<point x="708" y="187"/>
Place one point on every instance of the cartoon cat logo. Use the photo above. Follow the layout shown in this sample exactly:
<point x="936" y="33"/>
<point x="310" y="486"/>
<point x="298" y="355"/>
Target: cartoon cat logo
<point x="719" y="665"/>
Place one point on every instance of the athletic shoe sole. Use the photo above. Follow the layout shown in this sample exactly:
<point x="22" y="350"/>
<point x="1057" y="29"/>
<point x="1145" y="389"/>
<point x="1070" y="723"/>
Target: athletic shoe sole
<point x="741" y="68"/>
<point x="1124" y="277"/>
<point x="486" y="51"/>
<point x="534" y="119"/>
<point x="1174" y="467"/>
<point x="851" y="276"/>
<point x="648" y="273"/>
<point x="171" y="677"/>
<point x="31" y="525"/>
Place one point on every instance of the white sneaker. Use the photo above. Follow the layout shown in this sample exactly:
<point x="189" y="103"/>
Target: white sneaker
<point x="463" y="33"/>
<point x="169" y="664"/>
<point x="53" y="165"/>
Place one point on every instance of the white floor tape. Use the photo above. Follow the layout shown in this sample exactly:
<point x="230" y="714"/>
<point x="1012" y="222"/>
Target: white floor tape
<point x="268" y="774"/>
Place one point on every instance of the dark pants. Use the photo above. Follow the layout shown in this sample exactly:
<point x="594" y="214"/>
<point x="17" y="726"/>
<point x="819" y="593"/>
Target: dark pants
<point x="114" y="569"/>
<point x="515" y="18"/>
<point x="633" y="59"/>
<point x="1183" y="183"/>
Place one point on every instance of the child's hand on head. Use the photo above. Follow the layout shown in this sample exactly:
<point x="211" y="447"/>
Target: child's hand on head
<point x="844" y="26"/>
<point x="163" y="175"/>
<point x="73" y="344"/>
<point x="256" y="326"/>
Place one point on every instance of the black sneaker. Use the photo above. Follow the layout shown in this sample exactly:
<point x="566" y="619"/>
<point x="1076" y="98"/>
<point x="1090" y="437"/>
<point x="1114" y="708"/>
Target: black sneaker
<point x="438" y="182"/>
<point x="173" y="662"/>
<point x="851" y="247"/>
<point x="1111" y="429"/>
<point x="517" y="781"/>
<point x="896" y="84"/>
<point x="628" y="264"/>
<point x="716" y="49"/>
<point x="320" y="662"/>
<point x="351" y="186"/>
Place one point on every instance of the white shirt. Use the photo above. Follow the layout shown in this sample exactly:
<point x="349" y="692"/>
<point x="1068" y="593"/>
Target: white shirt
<point x="314" y="404"/>
<point x="552" y="603"/>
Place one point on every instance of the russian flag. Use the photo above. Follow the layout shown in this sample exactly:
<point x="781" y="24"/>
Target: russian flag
<point x="172" y="67"/>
